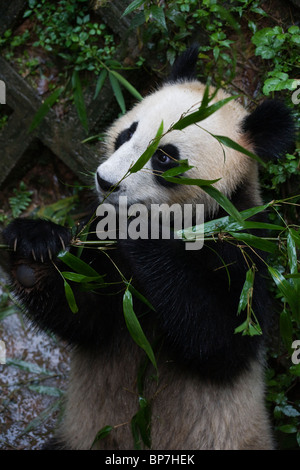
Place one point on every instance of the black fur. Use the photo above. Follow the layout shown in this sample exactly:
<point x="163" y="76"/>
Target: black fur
<point x="36" y="239"/>
<point x="271" y="129"/>
<point x="125" y="135"/>
<point x="46" y="302"/>
<point x="196" y="308"/>
<point x="184" y="67"/>
<point x="171" y="152"/>
<point x="195" y="304"/>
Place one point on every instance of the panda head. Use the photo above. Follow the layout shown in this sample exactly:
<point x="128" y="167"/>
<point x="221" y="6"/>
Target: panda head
<point x="268" y="131"/>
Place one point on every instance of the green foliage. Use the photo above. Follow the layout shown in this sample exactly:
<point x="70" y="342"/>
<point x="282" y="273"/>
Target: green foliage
<point x="168" y="26"/>
<point x="21" y="200"/>
<point x="44" y="109"/>
<point x="281" y="171"/>
<point x="65" y="31"/>
<point x="3" y="121"/>
<point x="283" y="49"/>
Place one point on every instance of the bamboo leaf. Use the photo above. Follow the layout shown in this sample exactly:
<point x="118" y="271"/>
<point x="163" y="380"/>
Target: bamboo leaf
<point x="117" y="92"/>
<point x="247" y="213"/>
<point x="28" y="366"/>
<point x="138" y="295"/>
<point x="256" y="242"/>
<point x="296" y="236"/>
<point x="188" y="181"/>
<point x="75" y="277"/>
<point x="243" y="327"/>
<point x="79" y="100"/>
<point x="46" y="390"/>
<point x="100" y="82"/>
<point x="150" y="150"/>
<point x="105" y="431"/>
<point x="135" y="328"/>
<point x="70" y="297"/>
<point x="205" y="98"/>
<point x="246" y="290"/>
<point x="44" y="109"/>
<point x="141" y="424"/>
<point x="287" y="291"/>
<point x="132" y="6"/>
<point x="248" y="328"/>
<point x="292" y="253"/>
<point x="201" y="114"/>
<point x="224" y="202"/>
<point x="235" y="146"/>
<point x="177" y="170"/>
<point x="127" y="85"/>
<point x="286" y="329"/>
<point x="228" y="224"/>
<point x="292" y="276"/>
<point x="77" y="264"/>
<point x="293" y="261"/>
<point x="44" y="415"/>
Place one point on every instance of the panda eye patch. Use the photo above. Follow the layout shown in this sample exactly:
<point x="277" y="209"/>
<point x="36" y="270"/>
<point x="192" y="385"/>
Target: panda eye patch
<point x="165" y="157"/>
<point x="125" y="135"/>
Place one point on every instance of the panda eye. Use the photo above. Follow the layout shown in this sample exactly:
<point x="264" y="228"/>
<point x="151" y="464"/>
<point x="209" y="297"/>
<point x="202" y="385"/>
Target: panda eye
<point x="125" y="135"/>
<point x="163" y="158"/>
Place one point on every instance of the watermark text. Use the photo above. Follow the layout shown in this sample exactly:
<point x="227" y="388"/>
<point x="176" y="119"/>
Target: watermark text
<point x="161" y="221"/>
<point x="2" y="352"/>
<point x="2" y="92"/>
<point x="296" y="353"/>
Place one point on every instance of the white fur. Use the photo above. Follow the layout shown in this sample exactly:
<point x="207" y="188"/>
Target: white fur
<point x="187" y="412"/>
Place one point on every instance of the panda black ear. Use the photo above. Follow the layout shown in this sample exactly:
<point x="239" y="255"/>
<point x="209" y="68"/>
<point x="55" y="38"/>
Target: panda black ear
<point x="184" y="67"/>
<point x="271" y="129"/>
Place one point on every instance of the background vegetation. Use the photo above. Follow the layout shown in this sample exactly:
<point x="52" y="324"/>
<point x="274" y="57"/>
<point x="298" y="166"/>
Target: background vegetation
<point x="249" y="47"/>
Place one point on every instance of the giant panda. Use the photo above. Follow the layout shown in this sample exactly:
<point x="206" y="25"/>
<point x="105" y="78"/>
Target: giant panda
<point x="208" y="391"/>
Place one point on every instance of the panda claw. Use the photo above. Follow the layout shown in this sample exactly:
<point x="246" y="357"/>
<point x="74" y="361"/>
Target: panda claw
<point x="50" y="254"/>
<point x="33" y="254"/>
<point x="15" y="244"/>
<point x="62" y="243"/>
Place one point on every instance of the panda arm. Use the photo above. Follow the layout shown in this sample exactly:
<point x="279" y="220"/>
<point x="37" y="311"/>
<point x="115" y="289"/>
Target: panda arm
<point x="196" y="306"/>
<point x="39" y="286"/>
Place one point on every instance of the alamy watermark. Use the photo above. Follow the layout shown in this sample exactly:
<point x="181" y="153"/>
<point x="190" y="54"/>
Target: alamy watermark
<point x="2" y="352"/>
<point x="296" y="353"/>
<point x="160" y="221"/>
<point x="296" y="93"/>
<point x="2" y="92"/>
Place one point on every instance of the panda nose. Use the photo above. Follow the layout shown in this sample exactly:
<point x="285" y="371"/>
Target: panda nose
<point x="106" y="185"/>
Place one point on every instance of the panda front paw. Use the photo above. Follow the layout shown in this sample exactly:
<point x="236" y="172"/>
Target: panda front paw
<point x="38" y="240"/>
